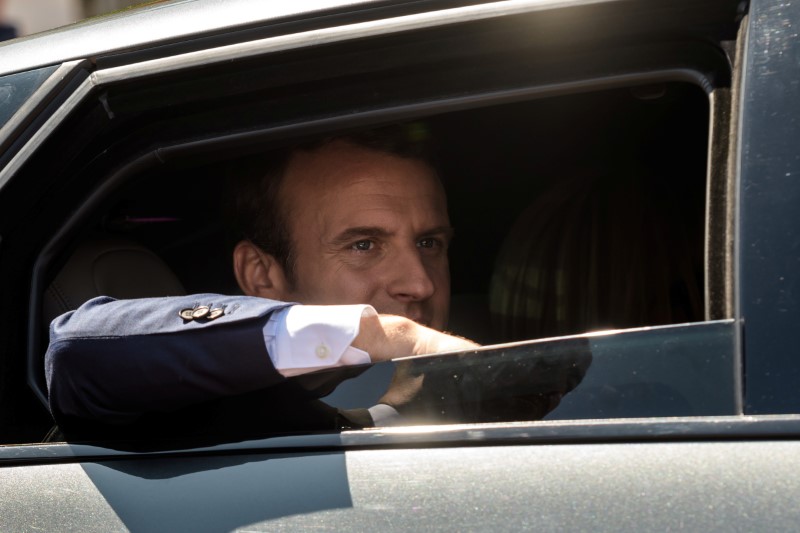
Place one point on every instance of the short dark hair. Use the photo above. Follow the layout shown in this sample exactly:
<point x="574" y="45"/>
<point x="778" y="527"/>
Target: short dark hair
<point x="254" y="208"/>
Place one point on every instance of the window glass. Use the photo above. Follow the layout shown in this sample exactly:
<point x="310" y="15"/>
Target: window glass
<point x="660" y="371"/>
<point x="17" y="88"/>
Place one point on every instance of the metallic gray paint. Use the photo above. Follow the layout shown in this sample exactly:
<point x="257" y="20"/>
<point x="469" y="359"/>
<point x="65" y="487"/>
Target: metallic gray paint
<point x="148" y="26"/>
<point x="53" y="498"/>
<point x="142" y="28"/>
<point x="636" y="487"/>
<point x="330" y="35"/>
<point x="769" y="195"/>
<point x="724" y="486"/>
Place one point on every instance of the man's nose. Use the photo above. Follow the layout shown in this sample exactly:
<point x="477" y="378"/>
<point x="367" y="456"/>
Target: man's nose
<point x="410" y="280"/>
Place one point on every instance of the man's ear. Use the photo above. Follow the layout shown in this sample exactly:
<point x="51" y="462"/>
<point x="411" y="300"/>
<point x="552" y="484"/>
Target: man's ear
<point x="259" y="273"/>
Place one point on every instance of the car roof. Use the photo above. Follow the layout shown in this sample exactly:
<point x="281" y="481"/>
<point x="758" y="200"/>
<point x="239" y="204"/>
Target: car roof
<point x="150" y="24"/>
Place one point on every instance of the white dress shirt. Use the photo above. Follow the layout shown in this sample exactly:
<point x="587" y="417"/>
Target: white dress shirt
<point x="305" y="338"/>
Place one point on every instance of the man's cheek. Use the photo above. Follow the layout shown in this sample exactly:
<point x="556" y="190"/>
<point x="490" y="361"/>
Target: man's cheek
<point x="356" y="286"/>
<point x="439" y="272"/>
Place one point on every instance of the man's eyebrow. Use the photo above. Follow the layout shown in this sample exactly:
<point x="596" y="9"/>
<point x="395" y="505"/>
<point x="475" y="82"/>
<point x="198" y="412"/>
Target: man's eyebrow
<point x="447" y="231"/>
<point x="360" y="232"/>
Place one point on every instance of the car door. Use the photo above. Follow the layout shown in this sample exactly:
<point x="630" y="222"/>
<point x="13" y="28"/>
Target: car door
<point x="662" y="425"/>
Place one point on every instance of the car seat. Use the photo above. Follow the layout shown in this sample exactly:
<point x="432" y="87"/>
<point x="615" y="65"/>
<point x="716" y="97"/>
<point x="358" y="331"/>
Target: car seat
<point x="108" y="267"/>
<point x="599" y="252"/>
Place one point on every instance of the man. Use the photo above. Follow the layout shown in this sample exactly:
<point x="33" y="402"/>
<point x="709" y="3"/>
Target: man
<point x="354" y="220"/>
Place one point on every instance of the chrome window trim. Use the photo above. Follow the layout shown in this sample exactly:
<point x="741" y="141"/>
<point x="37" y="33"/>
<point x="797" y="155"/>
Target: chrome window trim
<point x="737" y="163"/>
<point x="735" y="151"/>
<point x="666" y="429"/>
<point x="312" y="38"/>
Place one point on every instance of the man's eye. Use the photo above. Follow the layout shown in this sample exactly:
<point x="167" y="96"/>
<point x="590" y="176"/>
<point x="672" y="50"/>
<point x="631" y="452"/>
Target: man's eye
<point x="363" y="246"/>
<point x="428" y="243"/>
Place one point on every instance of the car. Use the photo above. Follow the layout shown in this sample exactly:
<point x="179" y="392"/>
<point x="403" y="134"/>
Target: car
<point x="622" y="176"/>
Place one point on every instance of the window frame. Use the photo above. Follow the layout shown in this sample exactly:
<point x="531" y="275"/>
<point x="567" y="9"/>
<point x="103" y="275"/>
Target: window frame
<point x="94" y="85"/>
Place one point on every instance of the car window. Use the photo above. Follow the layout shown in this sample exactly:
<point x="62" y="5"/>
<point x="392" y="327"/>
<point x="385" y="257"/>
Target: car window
<point x="15" y="89"/>
<point x="661" y="371"/>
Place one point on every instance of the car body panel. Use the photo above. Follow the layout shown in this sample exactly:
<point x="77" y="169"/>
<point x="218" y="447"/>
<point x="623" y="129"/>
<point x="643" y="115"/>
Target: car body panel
<point x="769" y="193"/>
<point x="148" y="26"/>
<point x="609" y="475"/>
<point x="600" y="487"/>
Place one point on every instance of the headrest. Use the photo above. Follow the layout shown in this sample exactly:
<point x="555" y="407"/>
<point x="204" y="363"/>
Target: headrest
<point x="109" y="267"/>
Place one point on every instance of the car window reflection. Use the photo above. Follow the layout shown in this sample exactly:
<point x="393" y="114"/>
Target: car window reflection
<point x="17" y="88"/>
<point x="643" y="372"/>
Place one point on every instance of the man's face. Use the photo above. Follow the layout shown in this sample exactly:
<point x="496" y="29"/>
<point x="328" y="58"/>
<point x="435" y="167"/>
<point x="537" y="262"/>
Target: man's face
<point x="368" y="227"/>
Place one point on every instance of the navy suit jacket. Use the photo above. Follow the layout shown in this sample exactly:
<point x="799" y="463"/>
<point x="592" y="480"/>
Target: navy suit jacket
<point x="113" y="363"/>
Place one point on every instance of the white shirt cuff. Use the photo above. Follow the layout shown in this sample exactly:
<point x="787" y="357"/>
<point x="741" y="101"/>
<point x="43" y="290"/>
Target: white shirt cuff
<point x="304" y="338"/>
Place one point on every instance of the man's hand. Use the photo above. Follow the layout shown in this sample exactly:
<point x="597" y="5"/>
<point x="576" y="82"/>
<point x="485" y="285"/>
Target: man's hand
<point x="386" y="337"/>
<point x="470" y="387"/>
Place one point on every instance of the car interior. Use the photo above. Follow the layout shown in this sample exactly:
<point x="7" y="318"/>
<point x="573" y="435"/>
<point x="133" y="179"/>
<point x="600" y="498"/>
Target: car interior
<point x="576" y="203"/>
<point x="572" y="214"/>
<point x="578" y="199"/>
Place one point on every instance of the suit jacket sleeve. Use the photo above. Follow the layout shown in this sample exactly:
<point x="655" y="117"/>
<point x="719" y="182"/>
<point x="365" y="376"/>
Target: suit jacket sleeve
<point x="111" y="361"/>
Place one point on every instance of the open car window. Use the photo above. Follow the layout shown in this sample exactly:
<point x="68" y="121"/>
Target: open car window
<point x="576" y="167"/>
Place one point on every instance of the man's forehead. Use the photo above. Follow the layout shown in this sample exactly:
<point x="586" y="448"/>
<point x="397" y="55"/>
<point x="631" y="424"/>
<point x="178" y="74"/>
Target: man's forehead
<point x="341" y="186"/>
<point x="340" y="157"/>
<point x="341" y="169"/>
<point x="379" y="208"/>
